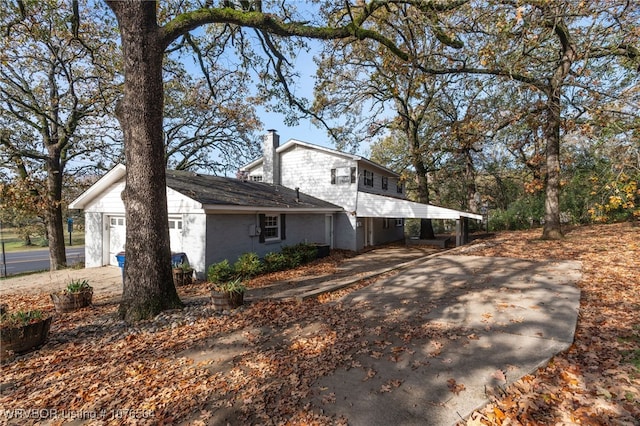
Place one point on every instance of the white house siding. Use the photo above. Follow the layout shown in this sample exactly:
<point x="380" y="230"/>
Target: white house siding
<point x="194" y="244"/>
<point x="109" y="204"/>
<point x="93" y="247"/>
<point x="392" y="182"/>
<point x="310" y="170"/>
<point x="228" y="235"/>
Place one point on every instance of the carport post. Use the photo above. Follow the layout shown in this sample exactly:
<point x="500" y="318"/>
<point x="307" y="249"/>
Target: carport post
<point x="462" y="231"/>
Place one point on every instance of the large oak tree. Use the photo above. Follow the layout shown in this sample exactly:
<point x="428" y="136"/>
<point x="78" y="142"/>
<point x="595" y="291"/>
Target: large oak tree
<point x="145" y="37"/>
<point x="571" y="55"/>
<point x="56" y="86"/>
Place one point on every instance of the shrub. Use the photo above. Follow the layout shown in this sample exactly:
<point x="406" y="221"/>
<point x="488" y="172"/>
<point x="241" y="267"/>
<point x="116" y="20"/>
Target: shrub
<point x="274" y="262"/>
<point x="299" y="254"/>
<point x="248" y="265"/>
<point x="220" y="272"/>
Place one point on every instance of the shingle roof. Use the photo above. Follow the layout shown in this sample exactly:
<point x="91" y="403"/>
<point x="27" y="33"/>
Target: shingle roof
<point x="224" y="191"/>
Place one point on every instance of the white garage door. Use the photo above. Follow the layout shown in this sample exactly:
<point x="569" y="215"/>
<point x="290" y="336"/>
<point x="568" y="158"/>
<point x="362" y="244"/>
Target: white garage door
<point x="117" y="237"/>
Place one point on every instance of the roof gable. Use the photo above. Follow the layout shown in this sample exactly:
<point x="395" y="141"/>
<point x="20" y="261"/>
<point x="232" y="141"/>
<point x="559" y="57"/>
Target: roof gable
<point x="292" y="143"/>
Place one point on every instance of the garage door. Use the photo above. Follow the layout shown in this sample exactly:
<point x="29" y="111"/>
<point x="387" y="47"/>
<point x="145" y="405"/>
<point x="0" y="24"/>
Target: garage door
<point x="117" y="237"/>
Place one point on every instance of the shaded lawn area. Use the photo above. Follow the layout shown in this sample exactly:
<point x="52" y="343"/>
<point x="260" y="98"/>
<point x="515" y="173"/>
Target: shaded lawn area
<point x="150" y="372"/>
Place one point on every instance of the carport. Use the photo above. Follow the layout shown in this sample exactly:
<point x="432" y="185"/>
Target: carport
<point x="378" y="206"/>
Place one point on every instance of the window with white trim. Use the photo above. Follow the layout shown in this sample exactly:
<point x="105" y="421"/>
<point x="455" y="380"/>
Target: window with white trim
<point x="343" y="175"/>
<point x="271" y="227"/>
<point x="400" y="222"/>
<point x="256" y="178"/>
<point x="175" y="223"/>
<point x="117" y="221"/>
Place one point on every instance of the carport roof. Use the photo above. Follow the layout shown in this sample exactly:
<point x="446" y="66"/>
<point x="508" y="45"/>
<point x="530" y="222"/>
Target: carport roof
<point x="373" y="205"/>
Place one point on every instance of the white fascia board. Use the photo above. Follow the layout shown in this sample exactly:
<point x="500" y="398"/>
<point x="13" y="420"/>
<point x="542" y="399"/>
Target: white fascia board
<point x="208" y="208"/>
<point x="112" y="176"/>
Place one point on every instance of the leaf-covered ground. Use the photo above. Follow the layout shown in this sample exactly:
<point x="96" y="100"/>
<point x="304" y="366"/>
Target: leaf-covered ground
<point x="597" y="380"/>
<point x="257" y="364"/>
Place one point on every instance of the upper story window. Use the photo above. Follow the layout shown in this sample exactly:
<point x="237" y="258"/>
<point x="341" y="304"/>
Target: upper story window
<point x="385" y="182"/>
<point x="368" y="178"/>
<point x="256" y="178"/>
<point x="343" y="175"/>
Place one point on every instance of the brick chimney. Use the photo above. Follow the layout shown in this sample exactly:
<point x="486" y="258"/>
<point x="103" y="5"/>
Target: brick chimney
<point x="271" y="161"/>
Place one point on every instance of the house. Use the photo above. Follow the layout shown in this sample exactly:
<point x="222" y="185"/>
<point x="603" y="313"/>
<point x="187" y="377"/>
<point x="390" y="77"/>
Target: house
<point x="372" y="197"/>
<point x="211" y="218"/>
<point x="297" y="192"/>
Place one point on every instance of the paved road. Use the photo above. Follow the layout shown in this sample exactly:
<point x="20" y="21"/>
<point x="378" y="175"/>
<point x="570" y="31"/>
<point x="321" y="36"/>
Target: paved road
<point x="35" y="260"/>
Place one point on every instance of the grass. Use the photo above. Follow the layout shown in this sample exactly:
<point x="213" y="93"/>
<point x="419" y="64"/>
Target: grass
<point x="13" y="241"/>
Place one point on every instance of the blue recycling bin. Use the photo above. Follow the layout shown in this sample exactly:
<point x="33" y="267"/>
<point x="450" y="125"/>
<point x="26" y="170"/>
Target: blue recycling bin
<point x="179" y="258"/>
<point x="120" y="257"/>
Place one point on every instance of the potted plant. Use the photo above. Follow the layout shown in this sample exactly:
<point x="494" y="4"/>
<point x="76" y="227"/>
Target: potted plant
<point x="22" y="331"/>
<point x="77" y="295"/>
<point x="182" y="273"/>
<point x="229" y="294"/>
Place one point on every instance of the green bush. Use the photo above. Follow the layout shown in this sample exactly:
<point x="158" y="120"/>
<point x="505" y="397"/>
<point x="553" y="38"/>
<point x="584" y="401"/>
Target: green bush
<point x="299" y="254"/>
<point x="220" y="272"/>
<point x="274" y="262"/>
<point x="248" y="265"/>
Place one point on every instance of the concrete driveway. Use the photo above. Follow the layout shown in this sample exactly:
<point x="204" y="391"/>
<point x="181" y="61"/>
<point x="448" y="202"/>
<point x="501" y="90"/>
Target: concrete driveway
<point x="452" y="328"/>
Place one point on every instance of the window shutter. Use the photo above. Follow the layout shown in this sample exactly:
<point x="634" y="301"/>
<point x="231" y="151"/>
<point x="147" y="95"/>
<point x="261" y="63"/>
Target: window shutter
<point x="353" y="175"/>
<point x="333" y="176"/>
<point x="283" y="227"/>
<point x="261" y="224"/>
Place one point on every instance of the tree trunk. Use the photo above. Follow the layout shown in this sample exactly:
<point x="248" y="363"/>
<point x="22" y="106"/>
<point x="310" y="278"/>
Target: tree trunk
<point x="552" y="228"/>
<point x="426" y="226"/>
<point x="148" y="281"/>
<point x="53" y="219"/>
